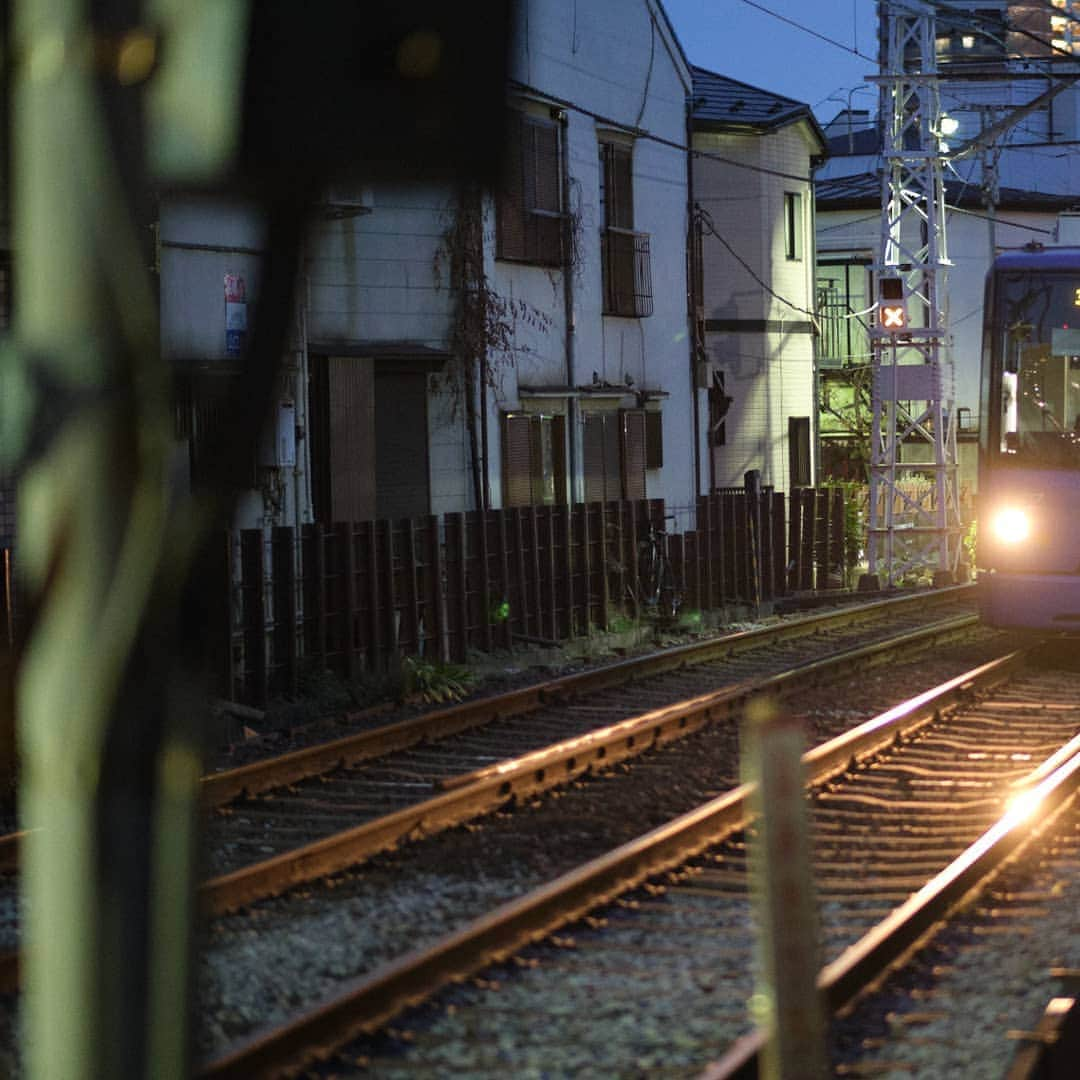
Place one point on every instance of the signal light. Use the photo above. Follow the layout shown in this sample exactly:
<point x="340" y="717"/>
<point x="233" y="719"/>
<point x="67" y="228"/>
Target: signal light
<point x="892" y="304"/>
<point x="894" y="316"/>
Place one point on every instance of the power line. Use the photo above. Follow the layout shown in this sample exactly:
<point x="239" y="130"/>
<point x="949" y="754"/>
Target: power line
<point x="706" y="220"/>
<point x="643" y="133"/>
<point x="812" y="33"/>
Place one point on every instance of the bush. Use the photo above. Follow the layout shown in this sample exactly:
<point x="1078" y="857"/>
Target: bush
<point x="434" y="681"/>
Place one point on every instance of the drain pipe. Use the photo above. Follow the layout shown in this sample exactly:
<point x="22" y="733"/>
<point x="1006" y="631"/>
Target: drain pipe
<point x="697" y="348"/>
<point x="569" y="312"/>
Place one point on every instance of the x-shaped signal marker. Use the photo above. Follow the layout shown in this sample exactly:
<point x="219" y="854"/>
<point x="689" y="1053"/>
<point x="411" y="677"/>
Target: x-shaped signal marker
<point x="892" y="318"/>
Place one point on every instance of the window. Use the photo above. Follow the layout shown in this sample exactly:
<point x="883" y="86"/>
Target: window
<point x="843" y="291"/>
<point x="529" y="220"/>
<point x="793" y="226"/>
<point x="534" y="459"/>
<point x="799" y="451"/>
<point x="614" y="455"/>
<point x="624" y="253"/>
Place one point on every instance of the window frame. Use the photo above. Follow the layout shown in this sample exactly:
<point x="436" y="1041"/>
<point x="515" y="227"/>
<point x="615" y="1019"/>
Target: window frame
<point x="625" y="261"/>
<point x="546" y="437"/>
<point x="794" y="226"/>
<point x="526" y="232"/>
<point x="621" y="435"/>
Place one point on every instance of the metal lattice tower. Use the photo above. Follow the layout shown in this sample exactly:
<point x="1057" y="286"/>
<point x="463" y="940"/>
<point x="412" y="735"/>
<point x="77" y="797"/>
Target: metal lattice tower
<point x="914" y="524"/>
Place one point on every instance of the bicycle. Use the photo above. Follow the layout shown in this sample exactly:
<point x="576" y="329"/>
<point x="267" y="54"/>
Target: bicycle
<point x="659" y="590"/>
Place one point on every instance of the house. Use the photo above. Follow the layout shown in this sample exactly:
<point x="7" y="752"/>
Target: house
<point x="1009" y="174"/>
<point x="753" y="162"/>
<point x="525" y="346"/>
<point x="458" y="348"/>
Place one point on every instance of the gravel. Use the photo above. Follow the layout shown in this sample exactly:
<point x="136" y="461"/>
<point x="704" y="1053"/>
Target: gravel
<point x="257" y="967"/>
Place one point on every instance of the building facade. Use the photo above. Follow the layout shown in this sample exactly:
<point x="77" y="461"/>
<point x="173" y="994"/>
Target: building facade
<point x="753" y="163"/>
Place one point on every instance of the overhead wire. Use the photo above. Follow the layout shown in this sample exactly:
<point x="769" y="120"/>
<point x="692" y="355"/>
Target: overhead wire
<point x="642" y="133"/>
<point x="810" y="31"/>
<point x="706" y="220"/>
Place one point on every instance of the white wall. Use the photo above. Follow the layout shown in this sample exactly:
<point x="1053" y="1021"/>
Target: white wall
<point x="372" y="277"/>
<point x="596" y="58"/>
<point x="770" y="374"/>
<point x="202" y="240"/>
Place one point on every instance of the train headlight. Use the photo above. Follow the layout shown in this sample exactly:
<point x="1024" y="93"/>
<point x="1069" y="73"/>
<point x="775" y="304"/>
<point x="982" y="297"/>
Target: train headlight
<point x="1011" y="525"/>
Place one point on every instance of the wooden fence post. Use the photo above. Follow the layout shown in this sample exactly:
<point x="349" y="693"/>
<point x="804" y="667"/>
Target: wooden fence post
<point x="283" y="569"/>
<point x="506" y="607"/>
<point x="523" y="616"/>
<point x="480" y="518"/>
<point x="436" y="588"/>
<point x="779" y="535"/>
<point x="253" y="619"/>
<point x="412" y="587"/>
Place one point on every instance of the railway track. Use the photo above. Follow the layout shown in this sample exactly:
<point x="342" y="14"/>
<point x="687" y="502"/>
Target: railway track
<point x="403" y="763"/>
<point x="697" y="910"/>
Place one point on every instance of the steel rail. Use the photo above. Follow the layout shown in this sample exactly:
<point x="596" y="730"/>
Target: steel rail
<point x="370" y="1002"/>
<point x="483" y="790"/>
<point x="1051" y="787"/>
<point x="223" y="787"/>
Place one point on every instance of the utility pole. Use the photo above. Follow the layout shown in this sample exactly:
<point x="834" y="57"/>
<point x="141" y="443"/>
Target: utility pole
<point x="912" y="528"/>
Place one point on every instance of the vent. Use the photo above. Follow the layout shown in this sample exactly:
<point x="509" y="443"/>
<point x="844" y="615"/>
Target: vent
<point x="344" y="201"/>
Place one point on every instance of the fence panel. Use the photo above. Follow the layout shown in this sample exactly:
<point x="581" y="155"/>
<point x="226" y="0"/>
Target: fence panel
<point x="356" y="597"/>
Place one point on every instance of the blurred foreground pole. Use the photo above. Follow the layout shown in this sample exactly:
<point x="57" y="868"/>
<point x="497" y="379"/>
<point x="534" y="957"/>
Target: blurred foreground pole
<point x="103" y="765"/>
<point x="262" y="98"/>
<point x="787" y="1004"/>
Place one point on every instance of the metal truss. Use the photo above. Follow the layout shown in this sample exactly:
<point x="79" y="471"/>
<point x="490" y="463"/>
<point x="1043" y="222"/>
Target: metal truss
<point x="915" y="525"/>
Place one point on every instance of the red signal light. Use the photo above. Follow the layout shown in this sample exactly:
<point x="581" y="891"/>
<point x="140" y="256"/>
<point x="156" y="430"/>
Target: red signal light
<point x="893" y="316"/>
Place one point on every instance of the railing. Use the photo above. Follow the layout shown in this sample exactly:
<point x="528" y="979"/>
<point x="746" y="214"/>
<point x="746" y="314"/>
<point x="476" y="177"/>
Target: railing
<point x="845" y="336"/>
<point x="627" y="273"/>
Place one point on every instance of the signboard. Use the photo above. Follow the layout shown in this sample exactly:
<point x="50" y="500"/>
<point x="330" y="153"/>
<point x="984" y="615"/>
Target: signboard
<point x="235" y="314"/>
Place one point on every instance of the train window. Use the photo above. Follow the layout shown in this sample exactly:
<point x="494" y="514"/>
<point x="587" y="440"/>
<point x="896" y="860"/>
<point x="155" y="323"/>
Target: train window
<point x="1035" y="381"/>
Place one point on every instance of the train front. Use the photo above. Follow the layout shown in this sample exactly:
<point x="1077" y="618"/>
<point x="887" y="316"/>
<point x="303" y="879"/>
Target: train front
<point x="1028" y="544"/>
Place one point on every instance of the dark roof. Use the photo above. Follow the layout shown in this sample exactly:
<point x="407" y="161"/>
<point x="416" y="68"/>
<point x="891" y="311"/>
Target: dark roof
<point x="862" y="141"/>
<point x="863" y="192"/>
<point x="723" y="104"/>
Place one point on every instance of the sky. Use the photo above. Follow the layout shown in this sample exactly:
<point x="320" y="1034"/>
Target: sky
<point x="740" y="40"/>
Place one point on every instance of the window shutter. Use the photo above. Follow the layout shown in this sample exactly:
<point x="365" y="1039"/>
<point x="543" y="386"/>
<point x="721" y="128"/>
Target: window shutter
<point x="542" y="195"/>
<point x="510" y="203"/>
<point x="593" y="457"/>
<point x="632" y="422"/>
<point x="517" y="460"/>
<point x="618" y="183"/>
<point x="350" y="392"/>
<point x="799" y="451"/>
<point x="654" y="440"/>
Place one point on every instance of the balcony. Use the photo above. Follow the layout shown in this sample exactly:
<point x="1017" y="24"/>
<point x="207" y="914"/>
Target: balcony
<point x="627" y="275"/>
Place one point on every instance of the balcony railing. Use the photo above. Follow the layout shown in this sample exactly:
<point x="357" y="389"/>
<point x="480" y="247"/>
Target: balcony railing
<point x="845" y="335"/>
<point x="627" y="273"/>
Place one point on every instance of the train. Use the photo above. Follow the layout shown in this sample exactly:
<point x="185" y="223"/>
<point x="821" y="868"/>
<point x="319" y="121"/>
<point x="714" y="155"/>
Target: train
<point x="1028" y="519"/>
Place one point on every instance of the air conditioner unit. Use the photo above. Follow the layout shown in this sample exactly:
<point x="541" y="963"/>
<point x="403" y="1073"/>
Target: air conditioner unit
<point x="347" y="200"/>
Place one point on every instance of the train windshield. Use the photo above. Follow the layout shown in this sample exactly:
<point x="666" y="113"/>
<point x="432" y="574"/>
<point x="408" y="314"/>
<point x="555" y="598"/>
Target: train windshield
<point x="1035" y="375"/>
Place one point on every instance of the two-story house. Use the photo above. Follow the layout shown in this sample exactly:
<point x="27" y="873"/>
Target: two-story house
<point x="540" y="342"/>
<point x="528" y="345"/>
<point x="753" y="161"/>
